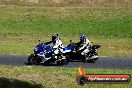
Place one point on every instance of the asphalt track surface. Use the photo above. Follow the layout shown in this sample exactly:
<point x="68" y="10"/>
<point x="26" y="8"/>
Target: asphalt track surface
<point x="102" y="62"/>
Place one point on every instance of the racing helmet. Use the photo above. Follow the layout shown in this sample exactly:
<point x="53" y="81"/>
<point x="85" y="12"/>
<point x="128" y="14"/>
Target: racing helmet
<point x="82" y="37"/>
<point x="55" y="37"/>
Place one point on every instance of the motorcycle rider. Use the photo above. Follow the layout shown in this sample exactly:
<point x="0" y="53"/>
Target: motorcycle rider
<point x="84" y="44"/>
<point x="57" y="44"/>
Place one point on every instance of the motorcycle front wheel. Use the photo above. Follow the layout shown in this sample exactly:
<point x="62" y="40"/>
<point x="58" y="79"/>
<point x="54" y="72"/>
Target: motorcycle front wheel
<point x="31" y="59"/>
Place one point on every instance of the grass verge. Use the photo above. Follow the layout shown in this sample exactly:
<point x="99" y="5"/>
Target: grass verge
<point x="21" y="26"/>
<point x="54" y="77"/>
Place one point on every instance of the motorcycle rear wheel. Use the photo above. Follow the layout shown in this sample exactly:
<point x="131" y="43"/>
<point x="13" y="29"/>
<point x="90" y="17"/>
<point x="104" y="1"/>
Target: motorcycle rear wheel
<point x="92" y="60"/>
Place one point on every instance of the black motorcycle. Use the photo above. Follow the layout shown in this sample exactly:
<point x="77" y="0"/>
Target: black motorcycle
<point x="75" y="54"/>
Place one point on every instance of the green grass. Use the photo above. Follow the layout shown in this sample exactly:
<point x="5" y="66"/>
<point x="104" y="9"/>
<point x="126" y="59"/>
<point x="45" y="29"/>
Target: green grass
<point x="21" y="26"/>
<point x="105" y="22"/>
<point x="53" y="77"/>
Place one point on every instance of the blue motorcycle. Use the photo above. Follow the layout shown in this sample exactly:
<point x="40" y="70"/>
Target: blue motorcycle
<point x="45" y="54"/>
<point x="41" y="52"/>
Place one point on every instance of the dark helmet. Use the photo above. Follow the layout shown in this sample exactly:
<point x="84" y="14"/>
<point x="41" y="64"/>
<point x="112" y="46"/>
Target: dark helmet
<point x="55" y="37"/>
<point x="82" y="37"/>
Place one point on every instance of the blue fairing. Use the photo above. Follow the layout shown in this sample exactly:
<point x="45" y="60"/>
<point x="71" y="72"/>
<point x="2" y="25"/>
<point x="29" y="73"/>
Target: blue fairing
<point x="39" y="48"/>
<point x="68" y="48"/>
<point x="48" y="48"/>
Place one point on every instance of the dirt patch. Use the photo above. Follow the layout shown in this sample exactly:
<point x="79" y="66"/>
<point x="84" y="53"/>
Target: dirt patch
<point x="111" y="47"/>
<point x="57" y="1"/>
<point x="106" y="2"/>
<point x="30" y="1"/>
<point x="33" y="1"/>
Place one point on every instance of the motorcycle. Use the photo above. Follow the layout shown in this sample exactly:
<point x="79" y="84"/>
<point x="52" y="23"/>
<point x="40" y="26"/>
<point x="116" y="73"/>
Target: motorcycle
<point x="73" y="53"/>
<point x="45" y="54"/>
<point x="92" y="56"/>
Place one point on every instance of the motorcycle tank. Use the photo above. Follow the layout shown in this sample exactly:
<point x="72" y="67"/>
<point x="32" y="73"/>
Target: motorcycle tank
<point x="48" y="48"/>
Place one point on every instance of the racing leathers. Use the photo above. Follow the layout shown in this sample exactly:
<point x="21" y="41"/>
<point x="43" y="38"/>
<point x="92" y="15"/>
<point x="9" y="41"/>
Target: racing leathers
<point x="84" y="46"/>
<point x="57" y="46"/>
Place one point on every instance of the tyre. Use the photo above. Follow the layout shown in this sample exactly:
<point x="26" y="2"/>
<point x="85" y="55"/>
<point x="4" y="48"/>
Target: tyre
<point x="95" y="59"/>
<point x="66" y="62"/>
<point x="31" y="59"/>
<point x="68" y="59"/>
<point x="85" y="59"/>
<point x="91" y="58"/>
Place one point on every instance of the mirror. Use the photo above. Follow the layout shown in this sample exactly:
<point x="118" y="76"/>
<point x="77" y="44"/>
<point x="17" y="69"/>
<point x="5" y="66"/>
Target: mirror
<point x="38" y="41"/>
<point x="70" y="41"/>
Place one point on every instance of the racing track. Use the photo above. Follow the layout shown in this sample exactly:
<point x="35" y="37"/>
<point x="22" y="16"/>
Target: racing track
<point x="102" y="62"/>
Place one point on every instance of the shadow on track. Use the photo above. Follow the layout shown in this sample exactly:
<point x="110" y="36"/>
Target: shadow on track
<point x="42" y="64"/>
